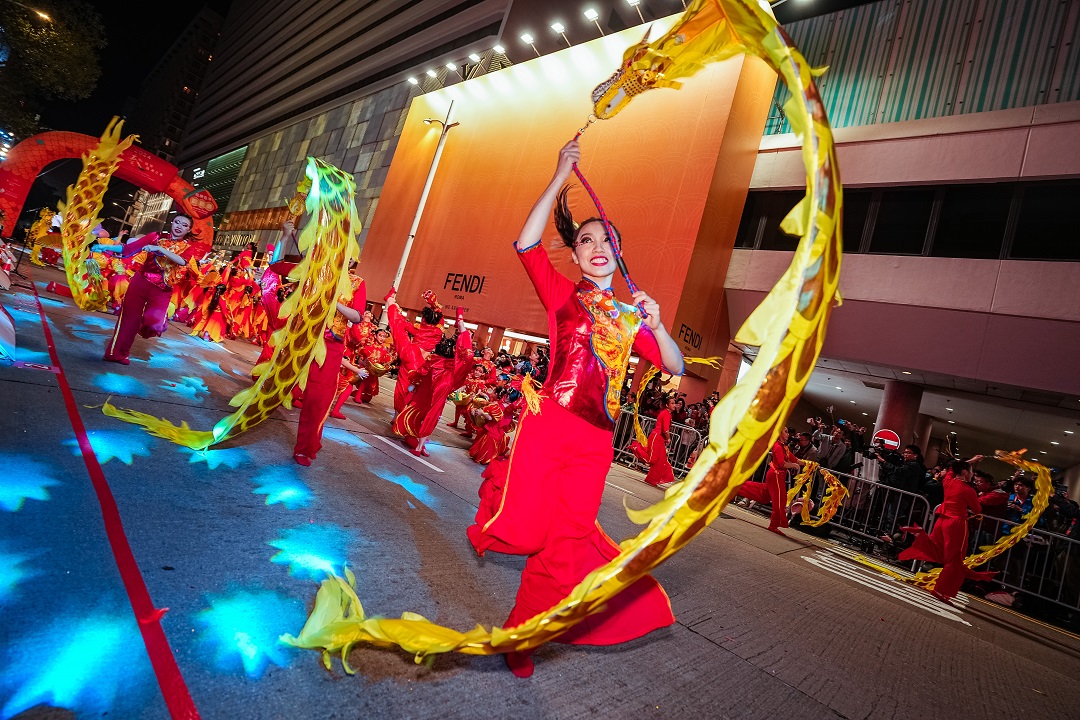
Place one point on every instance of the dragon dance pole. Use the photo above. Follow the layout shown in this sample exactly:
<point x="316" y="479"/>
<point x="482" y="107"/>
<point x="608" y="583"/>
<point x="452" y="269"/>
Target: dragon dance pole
<point x="446" y="125"/>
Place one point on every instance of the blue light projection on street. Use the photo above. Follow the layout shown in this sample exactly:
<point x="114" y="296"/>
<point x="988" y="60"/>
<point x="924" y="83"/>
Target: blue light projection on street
<point x="242" y="629"/>
<point x="120" y="385"/>
<point x="417" y="490"/>
<point x="24" y="479"/>
<point x="98" y="321"/>
<point x="281" y="485"/>
<point x="21" y="354"/>
<point x="188" y="387"/>
<point x="12" y="573"/>
<point x="91" y="666"/>
<point x="122" y="445"/>
<point x="312" y="551"/>
<point x="169" y="361"/>
<point x="231" y="458"/>
<point x="344" y="437"/>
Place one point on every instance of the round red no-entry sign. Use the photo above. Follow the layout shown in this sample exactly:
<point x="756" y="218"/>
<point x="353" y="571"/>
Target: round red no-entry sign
<point x="889" y="439"/>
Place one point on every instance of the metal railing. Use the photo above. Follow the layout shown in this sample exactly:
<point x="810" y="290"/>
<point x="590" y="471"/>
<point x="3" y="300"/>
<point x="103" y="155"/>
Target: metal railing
<point x="872" y="510"/>
<point x="1043" y="565"/>
<point x="683" y="445"/>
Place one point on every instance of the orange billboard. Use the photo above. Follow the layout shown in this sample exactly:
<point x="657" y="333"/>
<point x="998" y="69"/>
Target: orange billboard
<point x="653" y="166"/>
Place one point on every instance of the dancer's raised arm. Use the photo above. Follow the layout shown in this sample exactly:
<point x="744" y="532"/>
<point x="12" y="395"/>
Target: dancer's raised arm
<point x="533" y="230"/>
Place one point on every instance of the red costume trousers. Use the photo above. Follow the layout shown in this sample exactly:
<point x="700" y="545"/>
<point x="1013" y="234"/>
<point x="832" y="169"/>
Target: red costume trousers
<point x="318" y="397"/>
<point x="142" y="313"/>
<point x="542" y="502"/>
<point x="771" y="491"/>
<point x="945" y="545"/>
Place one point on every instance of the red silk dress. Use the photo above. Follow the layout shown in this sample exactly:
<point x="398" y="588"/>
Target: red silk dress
<point x="436" y="379"/>
<point x="491" y="439"/>
<point x="946" y="544"/>
<point x="410" y="343"/>
<point x="543" y="499"/>
<point x="774" y="489"/>
<point x="655" y="452"/>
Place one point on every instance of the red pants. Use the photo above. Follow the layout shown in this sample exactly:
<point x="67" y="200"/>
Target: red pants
<point x="143" y="313"/>
<point x="318" y="397"/>
<point x="945" y="545"/>
<point x="542" y="502"/>
<point x="773" y="491"/>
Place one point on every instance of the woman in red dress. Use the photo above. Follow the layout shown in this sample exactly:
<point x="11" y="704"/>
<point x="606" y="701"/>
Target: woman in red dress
<point x="946" y="544"/>
<point x="543" y="499"/>
<point x="444" y="369"/>
<point x="492" y="439"/>
<point x="774" y="489"/>
<point x="412" y="342"/>
<point x="160" y="263"/>
<point x="655" y="452"/>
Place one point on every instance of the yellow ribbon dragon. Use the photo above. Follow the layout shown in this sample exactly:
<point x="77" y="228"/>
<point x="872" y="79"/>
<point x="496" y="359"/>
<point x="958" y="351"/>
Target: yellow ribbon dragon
<point x="328" y="243"/>
<point x="81" y="216"/>
<point x="788" y="327"/>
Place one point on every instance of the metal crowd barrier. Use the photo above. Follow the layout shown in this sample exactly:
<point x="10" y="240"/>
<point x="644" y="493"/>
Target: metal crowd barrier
<point x="683" y="445"/>
<point x="1043" y="565"/>
<point x="872" y="510"/>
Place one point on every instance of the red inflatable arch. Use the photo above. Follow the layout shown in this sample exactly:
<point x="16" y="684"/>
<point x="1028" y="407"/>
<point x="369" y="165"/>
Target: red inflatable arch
<point x="137" y="166"/>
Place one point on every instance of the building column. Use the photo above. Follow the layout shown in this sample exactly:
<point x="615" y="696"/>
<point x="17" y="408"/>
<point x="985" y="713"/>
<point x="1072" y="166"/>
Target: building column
<point x="924" y="425"/>
<point x="899" y="410"/>
<point x="495" y="341"/>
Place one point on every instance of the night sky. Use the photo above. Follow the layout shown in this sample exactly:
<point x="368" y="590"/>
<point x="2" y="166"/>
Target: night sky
<point x="137" y="39"/>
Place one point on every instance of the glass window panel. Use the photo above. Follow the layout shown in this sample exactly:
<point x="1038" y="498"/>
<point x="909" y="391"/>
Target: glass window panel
<point x="1045" y="229"/>
<point x="902" y="220"/>
<point x="856" y="206"/>
<point x="972" y="221"/>
<point x="778" y="206"/>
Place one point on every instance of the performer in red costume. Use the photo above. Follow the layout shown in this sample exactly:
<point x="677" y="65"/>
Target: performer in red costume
<point x="542" y="501"/>
<point x="655" y="451"/>
<point x="443" y="370"/>
<point x="159" y="264"/>
<point x="492" y="439"/>
<point x="376" y="356"/>
<point x="774" y="489"/>
<point x="475" y="384"/>
<point x="322" y="379"/>
<point x="946" y="544"/>
<point x="412" y="342"/>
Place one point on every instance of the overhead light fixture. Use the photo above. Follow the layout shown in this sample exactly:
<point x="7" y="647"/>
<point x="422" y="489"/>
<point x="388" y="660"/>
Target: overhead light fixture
<point x="949" y="409"/>
<point x="413" y="81"/>
<point x="867" y="414"/>
<point x="432" y="74"/>
<point x="1042" y="452"/>
<point x="561" y="29"/>
<point x="1054" y="442"/>
<point x="952" y="422"/>
<point x="952" y="432"/>
<point x="839" y="388"/>
<point x="1068" y="432"/>
<point x="851" y="401"/>
<point x="474" y="57"/>
<point x="451" y="66"/>
<point x="904" y="372"/>
<point x="634" y="4"/>
<point x="499" y="49"/>
<point x="592" y="16"/>
<point x="529" y="40"/>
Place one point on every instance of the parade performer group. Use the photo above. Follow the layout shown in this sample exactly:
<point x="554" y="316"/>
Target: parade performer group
<point x="774" y="489"/>
<point x="543" y="500"/>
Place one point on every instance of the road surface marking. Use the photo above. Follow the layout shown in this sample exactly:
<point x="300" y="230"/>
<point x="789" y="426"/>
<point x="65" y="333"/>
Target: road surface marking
<point x="394" y="444"/>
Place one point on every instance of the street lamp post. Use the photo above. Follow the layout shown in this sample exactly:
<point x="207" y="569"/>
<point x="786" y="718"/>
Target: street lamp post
<point x="445" y="129"/>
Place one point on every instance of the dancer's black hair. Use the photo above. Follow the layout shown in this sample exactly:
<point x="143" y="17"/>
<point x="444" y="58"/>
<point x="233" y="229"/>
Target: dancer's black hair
<point x="564" y="220"/>
<point x="445" y="347"/>
<point x="430" y="315"/>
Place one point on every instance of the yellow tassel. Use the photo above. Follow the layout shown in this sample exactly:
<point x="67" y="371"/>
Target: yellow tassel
<point x="530" y="392"/>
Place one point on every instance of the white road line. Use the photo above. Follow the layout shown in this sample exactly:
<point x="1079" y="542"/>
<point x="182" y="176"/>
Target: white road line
<point x="884" y="584"/>
<point x="394" y="444"/>
<point x="620" y="489"/>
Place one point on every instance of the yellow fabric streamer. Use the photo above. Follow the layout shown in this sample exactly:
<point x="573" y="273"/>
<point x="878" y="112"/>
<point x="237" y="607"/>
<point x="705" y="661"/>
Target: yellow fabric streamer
<point x="1044" y="486"/>
<point x="834" y="494"/>
<point x="715" y="362"/>
<point x="747" y="420"/>
<point x="84" y="203"/>
<point x="329" y="245"/>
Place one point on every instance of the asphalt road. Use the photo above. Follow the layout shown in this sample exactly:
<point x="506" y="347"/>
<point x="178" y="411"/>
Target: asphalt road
<point x="234" y="540"/>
